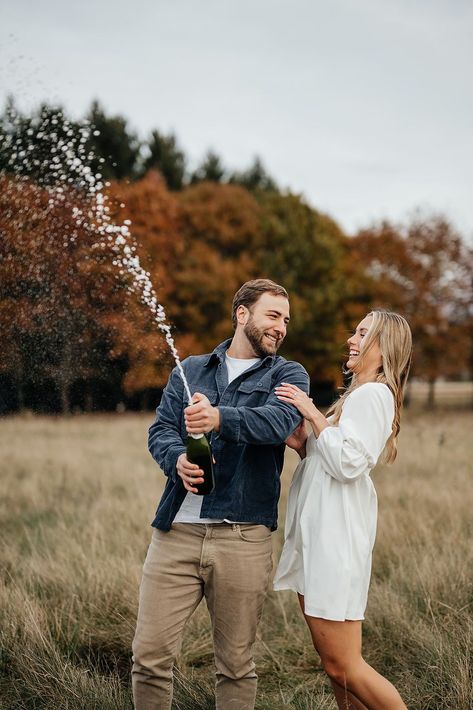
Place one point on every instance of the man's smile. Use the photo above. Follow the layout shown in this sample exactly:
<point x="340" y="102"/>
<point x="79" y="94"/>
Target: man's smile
<point x="275" y="339"/>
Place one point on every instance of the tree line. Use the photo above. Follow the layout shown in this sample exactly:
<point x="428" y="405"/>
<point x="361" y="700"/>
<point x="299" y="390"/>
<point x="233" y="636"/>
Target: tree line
<point x="119" y="153"/>
<point x="75" y="338"/>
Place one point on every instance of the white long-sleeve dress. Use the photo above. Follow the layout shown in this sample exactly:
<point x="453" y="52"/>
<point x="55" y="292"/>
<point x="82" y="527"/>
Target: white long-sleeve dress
<point x="332" y="509"/>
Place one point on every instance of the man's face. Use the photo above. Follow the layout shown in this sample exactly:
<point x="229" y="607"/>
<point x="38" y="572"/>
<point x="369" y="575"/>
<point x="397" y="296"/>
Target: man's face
<point x="266" y="324"/>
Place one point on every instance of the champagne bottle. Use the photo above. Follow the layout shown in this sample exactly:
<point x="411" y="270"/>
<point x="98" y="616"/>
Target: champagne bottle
<point x="200" y="453"/>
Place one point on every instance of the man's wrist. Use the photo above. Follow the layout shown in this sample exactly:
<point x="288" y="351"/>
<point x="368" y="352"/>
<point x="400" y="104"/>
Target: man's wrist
<point x="216" y="426"/>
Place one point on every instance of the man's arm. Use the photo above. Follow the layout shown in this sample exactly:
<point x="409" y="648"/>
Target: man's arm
<point x="270" y="423"/>
<point x="164" y="441"/>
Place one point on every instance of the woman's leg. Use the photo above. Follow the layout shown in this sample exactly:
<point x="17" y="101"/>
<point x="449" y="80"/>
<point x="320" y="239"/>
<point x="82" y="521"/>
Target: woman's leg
<point x="344" y="698"/>
<point x="339" y="646"/>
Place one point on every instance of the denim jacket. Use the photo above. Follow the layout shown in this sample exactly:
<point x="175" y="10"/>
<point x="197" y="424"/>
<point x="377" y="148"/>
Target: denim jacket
<point x="248" y="449"/>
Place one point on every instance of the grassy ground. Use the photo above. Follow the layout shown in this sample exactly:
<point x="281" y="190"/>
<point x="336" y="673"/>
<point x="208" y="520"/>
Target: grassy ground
<point x="76" y="497"/>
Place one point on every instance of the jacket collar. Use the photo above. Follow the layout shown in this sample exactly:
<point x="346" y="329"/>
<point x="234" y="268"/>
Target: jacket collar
<point x="218" y="355"/>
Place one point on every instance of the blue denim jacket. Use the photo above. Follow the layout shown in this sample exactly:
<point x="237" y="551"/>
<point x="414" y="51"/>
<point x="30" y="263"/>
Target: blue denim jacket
<point x="248" y="449"/>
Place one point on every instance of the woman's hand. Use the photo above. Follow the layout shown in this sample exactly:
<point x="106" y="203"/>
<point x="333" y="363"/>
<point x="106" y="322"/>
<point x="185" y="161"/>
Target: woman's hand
<point x="293" y="395"/>
<point x="297" y="440"/>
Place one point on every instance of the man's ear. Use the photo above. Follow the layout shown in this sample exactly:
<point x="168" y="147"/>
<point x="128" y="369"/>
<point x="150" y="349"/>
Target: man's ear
<point x="242" y="314"/>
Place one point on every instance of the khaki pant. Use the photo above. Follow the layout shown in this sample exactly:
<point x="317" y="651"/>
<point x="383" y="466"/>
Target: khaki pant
<point x="228" y="564"/>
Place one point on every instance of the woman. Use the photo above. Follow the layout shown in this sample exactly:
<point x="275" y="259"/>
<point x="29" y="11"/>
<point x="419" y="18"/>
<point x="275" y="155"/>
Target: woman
<point x="332" y="509"/>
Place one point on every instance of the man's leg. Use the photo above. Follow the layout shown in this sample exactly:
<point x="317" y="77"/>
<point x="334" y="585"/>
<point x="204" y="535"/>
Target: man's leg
<point x="236" y="584"/>
<point x="170" y="591"/>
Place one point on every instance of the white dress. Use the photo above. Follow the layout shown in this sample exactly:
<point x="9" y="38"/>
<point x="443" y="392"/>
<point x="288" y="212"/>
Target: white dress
<point x="332" y="509"/>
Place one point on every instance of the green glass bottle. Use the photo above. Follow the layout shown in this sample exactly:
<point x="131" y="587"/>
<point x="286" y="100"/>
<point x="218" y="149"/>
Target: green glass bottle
<point x="200" y="453"/>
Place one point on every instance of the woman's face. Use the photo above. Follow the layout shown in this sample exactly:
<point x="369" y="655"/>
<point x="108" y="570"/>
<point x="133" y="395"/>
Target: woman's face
<point x="371" y="359"/>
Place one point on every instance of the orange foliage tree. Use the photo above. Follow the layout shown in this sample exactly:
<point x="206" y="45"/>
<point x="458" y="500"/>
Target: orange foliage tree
<point x="421" y="270"/>
<point x="219" y="226"/>
<point x="154" y="213"/>
<point x="55" y="287"/>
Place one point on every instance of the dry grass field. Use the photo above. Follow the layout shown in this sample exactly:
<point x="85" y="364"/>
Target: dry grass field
<point x="76" y="499"/>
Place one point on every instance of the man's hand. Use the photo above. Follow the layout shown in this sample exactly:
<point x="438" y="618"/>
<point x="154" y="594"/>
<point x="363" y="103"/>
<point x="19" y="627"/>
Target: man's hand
<point x="200" y="416"/>
<point x="190" y="473"/>
<point x="297" y="440"/>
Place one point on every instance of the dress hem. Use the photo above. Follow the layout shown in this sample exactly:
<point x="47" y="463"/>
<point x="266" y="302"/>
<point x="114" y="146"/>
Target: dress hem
<point x="318" y="613"/>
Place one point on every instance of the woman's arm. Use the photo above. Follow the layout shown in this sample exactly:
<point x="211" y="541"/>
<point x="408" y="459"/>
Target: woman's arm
<point x="352" y="448"/>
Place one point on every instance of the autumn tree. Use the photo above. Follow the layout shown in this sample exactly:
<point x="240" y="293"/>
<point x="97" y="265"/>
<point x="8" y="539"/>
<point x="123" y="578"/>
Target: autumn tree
<point x="154" y="214"/>
<point x="197" y="247"/>
<point x="56" y="283"/>
<point x="421" y="270"/>
<point x="219" y="226"/>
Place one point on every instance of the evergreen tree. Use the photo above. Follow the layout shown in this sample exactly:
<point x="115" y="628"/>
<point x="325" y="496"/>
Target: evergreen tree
<point x="255" y="178"/>
<point x="166" y="156"/>
<point x="211" y="169"/>
<point x="114" y="149"/>
<point x="35" y="145"/>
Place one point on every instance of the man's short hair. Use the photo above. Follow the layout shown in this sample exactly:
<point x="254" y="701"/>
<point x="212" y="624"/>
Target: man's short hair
<point x="249" y="293"/>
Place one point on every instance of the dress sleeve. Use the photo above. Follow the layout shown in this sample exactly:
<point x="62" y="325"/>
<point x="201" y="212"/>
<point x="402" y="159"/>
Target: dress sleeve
<point x="352" y="448"/>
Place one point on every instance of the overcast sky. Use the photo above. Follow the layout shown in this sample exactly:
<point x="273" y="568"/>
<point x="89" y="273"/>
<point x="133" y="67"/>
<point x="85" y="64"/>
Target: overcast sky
<point x="364" y="106"/>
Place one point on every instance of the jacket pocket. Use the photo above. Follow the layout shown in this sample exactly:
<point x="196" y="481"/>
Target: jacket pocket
<point x="253" y="393"/>
<point x="211" y="394"/>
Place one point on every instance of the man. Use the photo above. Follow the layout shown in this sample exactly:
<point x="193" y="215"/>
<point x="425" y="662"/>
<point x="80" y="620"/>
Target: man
<point x="218" y="545"/>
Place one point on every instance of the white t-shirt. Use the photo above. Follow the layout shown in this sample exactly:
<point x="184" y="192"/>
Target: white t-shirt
<point x="189" y="512"/>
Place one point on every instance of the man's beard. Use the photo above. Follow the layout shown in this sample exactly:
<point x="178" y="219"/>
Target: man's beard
<point x="256" y="338"/>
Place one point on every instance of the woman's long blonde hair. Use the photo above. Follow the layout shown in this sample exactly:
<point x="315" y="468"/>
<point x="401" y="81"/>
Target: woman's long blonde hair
<point x="393" y="334"/>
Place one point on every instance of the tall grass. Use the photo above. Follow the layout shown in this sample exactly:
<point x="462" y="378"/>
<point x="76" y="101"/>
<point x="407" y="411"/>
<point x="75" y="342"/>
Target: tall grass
<point x="76" y="497"/>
